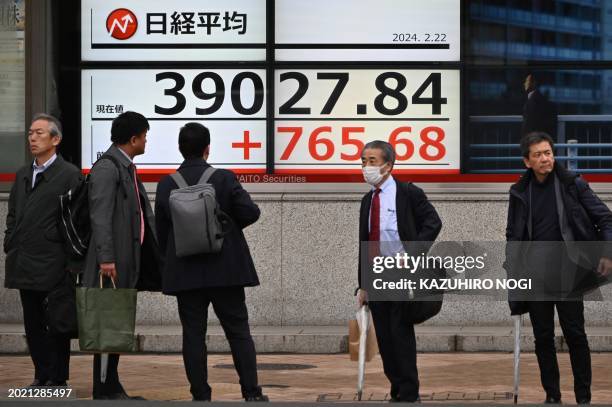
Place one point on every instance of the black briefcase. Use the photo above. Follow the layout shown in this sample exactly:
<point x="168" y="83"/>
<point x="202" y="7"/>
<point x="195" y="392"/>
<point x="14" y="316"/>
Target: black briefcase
<point x="428" y="303"/>
<point x="421" y="311"/>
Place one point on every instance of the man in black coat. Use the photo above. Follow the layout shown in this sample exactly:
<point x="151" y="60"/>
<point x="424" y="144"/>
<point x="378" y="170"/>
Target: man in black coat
<point x="393" y="212"/>
<point x="218" y="279"/>
<point x="36" y="262"/>
<point x="123" y="244"/>
<point x="551" y="204"/>
<point x="539" y="113"/>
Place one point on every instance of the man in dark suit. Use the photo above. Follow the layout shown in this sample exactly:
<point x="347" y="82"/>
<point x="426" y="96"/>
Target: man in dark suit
<point x="539" y="113"/>
<point x="393" y="212"/>
<point x="123" y="244"/>
<point x="550" y="204"/>
<point x="218" y="279"/>
<point x="36" y="262"/>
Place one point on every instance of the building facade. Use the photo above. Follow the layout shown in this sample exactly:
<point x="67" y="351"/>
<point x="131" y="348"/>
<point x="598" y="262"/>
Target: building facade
<point x="305" y="245"/>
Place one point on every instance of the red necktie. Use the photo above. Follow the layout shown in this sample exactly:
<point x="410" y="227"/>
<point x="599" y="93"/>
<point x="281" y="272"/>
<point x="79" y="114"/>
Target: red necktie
<point x="142" y="226"/>
<point x="374" y="235"/>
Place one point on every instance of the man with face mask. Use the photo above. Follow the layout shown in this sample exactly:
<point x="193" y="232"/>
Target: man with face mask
<point x="393" y="212"/>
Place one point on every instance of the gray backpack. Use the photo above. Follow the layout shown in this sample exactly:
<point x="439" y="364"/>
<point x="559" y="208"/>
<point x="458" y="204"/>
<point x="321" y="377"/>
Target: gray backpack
<point x="196" y="217"/>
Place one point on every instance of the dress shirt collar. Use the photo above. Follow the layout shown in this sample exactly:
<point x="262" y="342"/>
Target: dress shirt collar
<point x="125" y="154"/>
<point x="389" y="183"/>
<point x="41" y="168"/>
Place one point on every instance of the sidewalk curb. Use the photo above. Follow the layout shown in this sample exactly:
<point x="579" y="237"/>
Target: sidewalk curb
<point x="329" y="340"/>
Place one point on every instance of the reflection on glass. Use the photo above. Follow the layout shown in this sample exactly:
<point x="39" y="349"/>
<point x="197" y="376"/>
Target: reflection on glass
<point x="497" y="105"/>
<point x="12" y="84"/>
<point x="507" y="30"/>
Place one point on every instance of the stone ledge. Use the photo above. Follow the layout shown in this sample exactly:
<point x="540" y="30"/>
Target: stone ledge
<point x="329" y="339"/>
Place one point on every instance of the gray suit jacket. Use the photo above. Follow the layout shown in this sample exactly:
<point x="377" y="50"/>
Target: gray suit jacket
<point x="115" y="227"/>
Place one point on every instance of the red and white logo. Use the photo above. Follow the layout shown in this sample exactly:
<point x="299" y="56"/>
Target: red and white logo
<point x="121" y="24"/>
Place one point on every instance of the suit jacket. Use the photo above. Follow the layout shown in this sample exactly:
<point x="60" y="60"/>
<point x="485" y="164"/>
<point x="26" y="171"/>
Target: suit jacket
<point x="36" y="258"/>
<point x="115" y="227"/>
<point x="417" y="219"/>
<point x="539" y="114"/>
<point x="233" y="266"/>
<point x="588" y="217"/>
<point x="582" y="215"/>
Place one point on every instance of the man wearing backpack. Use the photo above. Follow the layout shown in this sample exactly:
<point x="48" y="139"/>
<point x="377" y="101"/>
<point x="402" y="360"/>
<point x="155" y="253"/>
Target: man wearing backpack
<point x="36" y="263"/>
<point x="218" y="278"/>
<point x="123" y="244"/>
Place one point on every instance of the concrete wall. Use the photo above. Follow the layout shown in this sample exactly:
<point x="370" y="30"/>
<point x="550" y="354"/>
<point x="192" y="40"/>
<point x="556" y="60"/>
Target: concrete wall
<point x="305" y="249"/>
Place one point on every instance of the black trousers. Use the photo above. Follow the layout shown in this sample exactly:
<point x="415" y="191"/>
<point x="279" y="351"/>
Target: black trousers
<point x="50" y="352"/>
<point x="571" y="319"/>
<point x="146" y="281"/>
<point x="111" y="385"/>
<point x="229" y="305"/>
<point x="397" y="345"/>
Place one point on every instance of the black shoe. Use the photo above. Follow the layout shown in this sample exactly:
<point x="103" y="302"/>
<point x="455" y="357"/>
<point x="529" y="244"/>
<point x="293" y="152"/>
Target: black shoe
<point x="37" y="383"/>
<point x="117" y="396"/>
<point x="584" y="401"/>
<point x="394" y="394"/>
<point x="53" y="383"/>
<point x="552" y="400"/>
<point x="206" y="396"/>
<point x="199" y="399"/>
<point x="394" y="399"/>
<point x="257" y="398"/>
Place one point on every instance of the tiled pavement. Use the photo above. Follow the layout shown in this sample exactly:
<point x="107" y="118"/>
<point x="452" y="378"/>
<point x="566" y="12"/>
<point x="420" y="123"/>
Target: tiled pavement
<point x="455" y="376"/>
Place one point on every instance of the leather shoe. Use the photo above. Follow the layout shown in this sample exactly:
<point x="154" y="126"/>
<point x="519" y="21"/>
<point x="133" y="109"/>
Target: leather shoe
<point x="584" y="401"/>
<point x="37" y="383"/>
<point x="53" y="383"/>
<point x="117" y="396"/>
<point x="552" y="400"/>
<point x="257" y="398"/>
<point x="394" y="399"/>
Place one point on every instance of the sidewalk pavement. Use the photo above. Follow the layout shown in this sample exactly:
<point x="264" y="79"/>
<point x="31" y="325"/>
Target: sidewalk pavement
<point x="451" y="377"/>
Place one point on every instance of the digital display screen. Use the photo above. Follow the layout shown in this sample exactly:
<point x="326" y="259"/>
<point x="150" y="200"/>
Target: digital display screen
<point x="321" y="118"/>
<point x="158" y="30"/>
<point x="362" y="30"/>
<point x="231" y="103"/>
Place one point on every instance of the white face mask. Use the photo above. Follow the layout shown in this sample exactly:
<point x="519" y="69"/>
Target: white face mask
<point x="372" y="175"/>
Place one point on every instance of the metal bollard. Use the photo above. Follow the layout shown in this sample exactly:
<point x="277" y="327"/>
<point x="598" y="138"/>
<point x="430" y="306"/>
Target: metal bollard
<point x="572" y="152"/>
